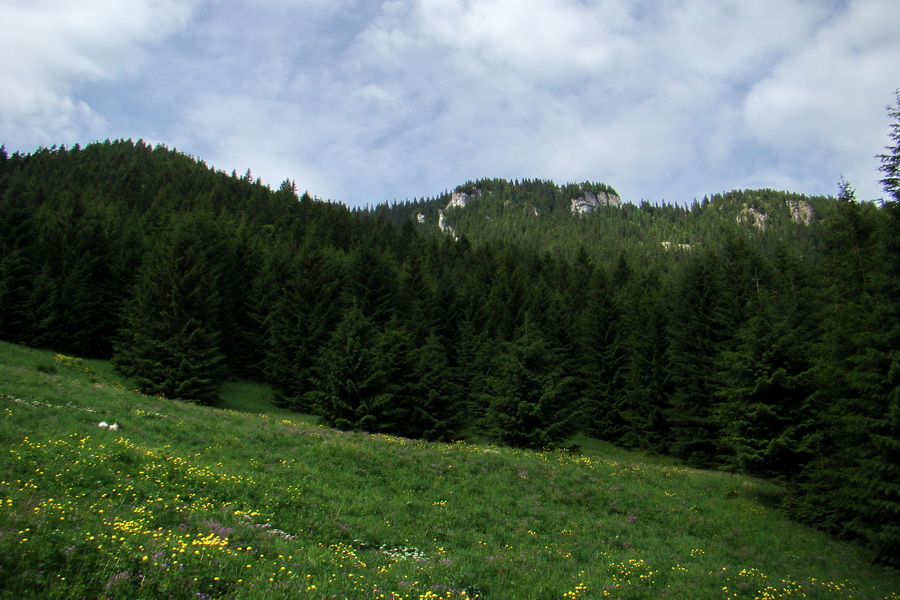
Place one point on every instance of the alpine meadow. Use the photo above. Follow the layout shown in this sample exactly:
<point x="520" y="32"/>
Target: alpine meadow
<point x="515" y="389"/>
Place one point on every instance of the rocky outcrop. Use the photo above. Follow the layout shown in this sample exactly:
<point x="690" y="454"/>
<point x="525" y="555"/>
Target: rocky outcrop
<point x="459" y="198"/>
<point x="589" y="202"/>
<point x="753" y="216"/>
<point x="442" y="224"/>
<point x="420" y="218"/>
<point x="673" y="245"/>
<point x="801" y="211"/>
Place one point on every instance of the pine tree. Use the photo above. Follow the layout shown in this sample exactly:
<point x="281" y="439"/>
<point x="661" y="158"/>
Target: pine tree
<point x="603" y="363"/>
<point x="304" y="311"/>
<point x="695" y="338"/>
<point x="169" y="344"/>
<point x="354" y="389"/>
<point x="764" y="384"/>
<point x="530" y="401"/>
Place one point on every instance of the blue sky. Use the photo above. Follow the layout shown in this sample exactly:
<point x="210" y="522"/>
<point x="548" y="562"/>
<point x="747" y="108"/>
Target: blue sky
<point x="364" y="101"/>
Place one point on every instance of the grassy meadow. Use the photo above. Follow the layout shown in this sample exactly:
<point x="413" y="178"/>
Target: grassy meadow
<point x="250" y="501"/>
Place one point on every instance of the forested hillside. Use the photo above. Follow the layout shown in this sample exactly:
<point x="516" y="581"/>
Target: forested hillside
<point x="755" y="331"/>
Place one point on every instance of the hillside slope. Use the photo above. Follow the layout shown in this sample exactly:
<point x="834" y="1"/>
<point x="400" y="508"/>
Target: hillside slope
<point x="563" y="219"/>
<point x="192" y="502"/>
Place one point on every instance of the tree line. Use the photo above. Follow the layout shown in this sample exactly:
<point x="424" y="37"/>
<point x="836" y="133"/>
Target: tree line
<point x="771" y="351"/>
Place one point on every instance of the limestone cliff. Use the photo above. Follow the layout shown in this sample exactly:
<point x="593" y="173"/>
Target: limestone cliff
<point x="589" y="202"/>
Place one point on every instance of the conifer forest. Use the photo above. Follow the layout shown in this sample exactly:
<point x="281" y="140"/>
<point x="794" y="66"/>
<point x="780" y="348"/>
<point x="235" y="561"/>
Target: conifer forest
<point x="754" y="331"/>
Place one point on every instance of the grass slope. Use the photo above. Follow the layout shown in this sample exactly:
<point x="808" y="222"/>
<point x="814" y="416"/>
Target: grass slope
<point x="193" y="502"/>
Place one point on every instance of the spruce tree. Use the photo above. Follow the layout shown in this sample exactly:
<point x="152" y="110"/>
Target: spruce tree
<point x="877" y="383"/>
<point x="429" y="392"/>
<point x="763" y="409"/>
<point x="851" y="486"/>
<point x="890" y="159"/>
<point x="74" y="299"/>
<point x="169" y="344"/>
<point x="645" y="339"/>
<point x="530" y="400"/>
<point x="603" y="363"/>
<point x="353" y="385"/>
<point x="372" y="281"/>
<point x="304" y="311"/>
<point x="695" y="338"/>
<point x="18" y="265"/>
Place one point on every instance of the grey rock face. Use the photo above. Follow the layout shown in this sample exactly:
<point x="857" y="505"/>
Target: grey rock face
<point x="589" y="201"/>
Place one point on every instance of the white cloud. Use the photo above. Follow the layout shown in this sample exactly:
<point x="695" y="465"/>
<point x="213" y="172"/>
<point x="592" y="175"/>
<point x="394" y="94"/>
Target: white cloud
<point x="56" y="48"/>
<point x="548" y="40"/>
<point x="572" y="90"/>
<point x="366" y="101"/>
<point x="823" y="106"/>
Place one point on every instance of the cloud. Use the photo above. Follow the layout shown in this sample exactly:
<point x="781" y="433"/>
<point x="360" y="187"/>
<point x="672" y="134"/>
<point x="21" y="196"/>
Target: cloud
<point x="649" y="100"/>
<point x="365" y="101"/>
<point x="56" y="48"/>
<point x="545" y="40"/>
<point x="823" y="106"/>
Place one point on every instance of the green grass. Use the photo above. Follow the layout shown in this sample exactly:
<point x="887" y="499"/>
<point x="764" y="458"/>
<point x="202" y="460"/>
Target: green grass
<point x="251" y="397"/>
<point x="192" y="502"/>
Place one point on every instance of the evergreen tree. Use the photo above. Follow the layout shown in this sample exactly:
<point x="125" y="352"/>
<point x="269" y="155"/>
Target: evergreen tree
<point x="875" y="415"/>
<point x="645" y="319"/>
<point x="695" y="337"/>
<point x="430" y="392"/>
<point x="169" y="344"/>
<point x="530" y="401"/>
<point x="372" y="282"/>
<point x="354" y="389"/>
<point x="417" y="300"/>
<point x="474" y="354"/>
<point x="763" y="390"/>
<point x="241" y="256"/>
<point x="73" y="300"/>
<point x="505" y="307"/>
<point x="304" y="311"/>
<point x="851" y="488"/>
<point x="890" y="159"/>
<point x="18" y="258"/>
<point x="603" y="363"/>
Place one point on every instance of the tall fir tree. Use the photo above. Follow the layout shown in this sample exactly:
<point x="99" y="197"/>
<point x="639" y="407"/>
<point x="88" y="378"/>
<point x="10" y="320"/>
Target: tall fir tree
<point x="354" y="389"/>
<point x="851" y="487"/>
<point x="18" y="263"/>
<point x="169" y="343"/>
<point x="603" y="363"/>
<point x="303" y="314"/>
<point x="645" y="317"/>
<point x="695" y="337"/>
<point x="429" y="392"/>
<point x="763" y="409"/>
<point x="74" y="302"/>
<point x="530" y="400"/>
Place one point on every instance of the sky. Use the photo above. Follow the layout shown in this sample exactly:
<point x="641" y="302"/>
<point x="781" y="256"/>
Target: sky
<point x="370" y="101"/>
